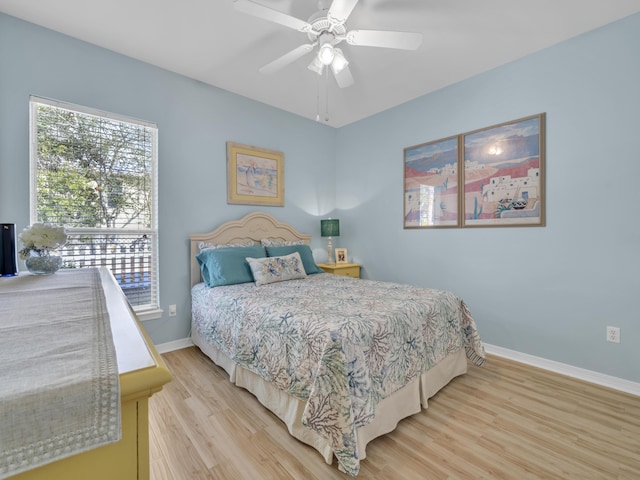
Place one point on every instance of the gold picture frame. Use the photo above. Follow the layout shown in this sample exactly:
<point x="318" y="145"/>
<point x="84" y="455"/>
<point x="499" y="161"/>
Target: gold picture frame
<point x="255" y="176"/>
<point x="341" y="255"/>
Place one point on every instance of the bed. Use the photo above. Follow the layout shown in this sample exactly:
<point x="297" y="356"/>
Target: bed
<point x="339" y="360"/>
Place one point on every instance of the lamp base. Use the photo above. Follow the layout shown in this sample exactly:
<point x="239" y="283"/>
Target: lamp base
<point x="331" y="260"/>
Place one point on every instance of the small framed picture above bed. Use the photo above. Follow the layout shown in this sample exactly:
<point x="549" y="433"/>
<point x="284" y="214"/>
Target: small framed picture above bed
<point x="255" y="176"/>
<point x="341" y="255"/>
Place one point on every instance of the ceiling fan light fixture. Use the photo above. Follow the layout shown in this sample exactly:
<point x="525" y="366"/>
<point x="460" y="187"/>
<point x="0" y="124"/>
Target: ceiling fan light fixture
<point x="326" y="54"/>
<point x="339" y="62"/>
<point x="316" y="65"/>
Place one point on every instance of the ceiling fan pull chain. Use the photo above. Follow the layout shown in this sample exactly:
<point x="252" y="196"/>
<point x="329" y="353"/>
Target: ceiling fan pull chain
<point x="326" y="83"/>
<point x="318" y="99"/>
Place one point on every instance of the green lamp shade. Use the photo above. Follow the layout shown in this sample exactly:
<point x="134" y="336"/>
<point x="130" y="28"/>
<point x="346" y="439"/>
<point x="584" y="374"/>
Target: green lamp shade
<point x="330" y="227"/>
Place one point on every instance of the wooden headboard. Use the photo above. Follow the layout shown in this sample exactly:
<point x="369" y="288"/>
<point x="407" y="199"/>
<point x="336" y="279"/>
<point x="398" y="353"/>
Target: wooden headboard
<point x="254" y="226"/>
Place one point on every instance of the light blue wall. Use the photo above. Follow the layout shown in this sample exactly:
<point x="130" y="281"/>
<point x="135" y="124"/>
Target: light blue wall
<point x="195" y="121"/>
<point x="549" y="291"/>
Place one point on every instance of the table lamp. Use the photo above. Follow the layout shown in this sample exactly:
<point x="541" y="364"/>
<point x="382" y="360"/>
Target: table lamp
<point x="330" y="228"/>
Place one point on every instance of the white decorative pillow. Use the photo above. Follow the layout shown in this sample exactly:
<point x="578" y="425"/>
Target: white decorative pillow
<point x="215" y="246"/>
<point x="276" y="269"/>
<point x="276" y="242"/>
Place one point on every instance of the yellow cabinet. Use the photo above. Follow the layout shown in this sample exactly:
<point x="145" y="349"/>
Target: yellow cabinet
<point x="344" y="269"/>
<point x="142" y="373"/>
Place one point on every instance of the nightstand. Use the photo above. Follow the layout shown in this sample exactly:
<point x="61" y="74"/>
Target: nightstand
<point x="344" y="269"/>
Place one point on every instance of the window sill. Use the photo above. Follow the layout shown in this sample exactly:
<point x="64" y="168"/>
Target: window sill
<point x="149" y="314"/>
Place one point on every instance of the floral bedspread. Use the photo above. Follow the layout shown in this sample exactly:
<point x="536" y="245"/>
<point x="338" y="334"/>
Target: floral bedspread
<point x="338" y="343"/>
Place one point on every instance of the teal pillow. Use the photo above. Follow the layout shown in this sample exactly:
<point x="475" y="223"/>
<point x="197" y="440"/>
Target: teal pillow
<point x="227" y="266"/>
<point x="305" y="254"/>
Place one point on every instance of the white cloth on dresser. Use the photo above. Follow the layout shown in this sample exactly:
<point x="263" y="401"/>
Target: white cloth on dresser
<point x="59" y="384"/>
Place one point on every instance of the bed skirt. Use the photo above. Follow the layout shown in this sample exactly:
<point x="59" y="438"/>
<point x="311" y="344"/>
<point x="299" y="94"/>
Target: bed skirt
<point x="401" y="404"/>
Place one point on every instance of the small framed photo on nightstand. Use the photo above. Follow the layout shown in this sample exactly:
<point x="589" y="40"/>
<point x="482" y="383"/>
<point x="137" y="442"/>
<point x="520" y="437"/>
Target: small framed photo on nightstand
<point x="341" y="255"/>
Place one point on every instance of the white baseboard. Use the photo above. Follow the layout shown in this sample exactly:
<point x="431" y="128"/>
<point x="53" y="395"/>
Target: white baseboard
<point x="175" y="345"/>
<point x="561" y="368"/>
<point x="564" y="369"/>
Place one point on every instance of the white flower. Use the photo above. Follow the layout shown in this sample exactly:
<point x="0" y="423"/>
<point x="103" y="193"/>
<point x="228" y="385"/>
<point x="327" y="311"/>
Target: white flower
<point x="41" y="237"/>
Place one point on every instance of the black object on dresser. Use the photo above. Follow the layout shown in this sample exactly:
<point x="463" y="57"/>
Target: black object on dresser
<point x="8" y="253"/>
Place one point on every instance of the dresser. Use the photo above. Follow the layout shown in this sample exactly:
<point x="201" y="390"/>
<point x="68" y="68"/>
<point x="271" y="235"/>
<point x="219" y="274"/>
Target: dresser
<point x="142" y="373"/>
<point x="344" y="269"/>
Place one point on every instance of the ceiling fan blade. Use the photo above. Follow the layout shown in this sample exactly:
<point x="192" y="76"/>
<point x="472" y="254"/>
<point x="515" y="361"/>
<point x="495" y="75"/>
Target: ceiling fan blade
<point x="340" y="10"/>
<point x="266" y="13"/>
<point x="380" y="38"/>
<point x="344" y="78"/>
<point x="287" y="58"/>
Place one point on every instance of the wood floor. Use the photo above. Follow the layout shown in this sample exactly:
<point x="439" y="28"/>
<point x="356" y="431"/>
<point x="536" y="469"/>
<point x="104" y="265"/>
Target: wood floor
<point x="501" y="421"/>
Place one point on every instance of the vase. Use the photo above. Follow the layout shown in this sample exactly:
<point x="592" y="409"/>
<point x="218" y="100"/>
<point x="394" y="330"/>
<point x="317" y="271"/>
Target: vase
<point x="41" y="262"/>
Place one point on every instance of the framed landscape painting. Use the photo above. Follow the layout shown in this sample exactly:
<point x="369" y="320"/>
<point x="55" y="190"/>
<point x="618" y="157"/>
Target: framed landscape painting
<point x="255" y="176"/>
<point x="431" y="178"/>
<point x="503" y="174"/>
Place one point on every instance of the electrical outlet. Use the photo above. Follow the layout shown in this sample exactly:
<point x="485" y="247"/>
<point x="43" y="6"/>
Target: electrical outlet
<point x="613" y="334"/>
<point x="172" y="310"/>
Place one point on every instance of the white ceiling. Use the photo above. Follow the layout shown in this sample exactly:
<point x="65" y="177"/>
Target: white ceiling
<point x="210" y="41"/>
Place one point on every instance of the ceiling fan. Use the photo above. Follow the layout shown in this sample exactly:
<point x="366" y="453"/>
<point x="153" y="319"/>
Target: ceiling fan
<point x="326" y="29"/>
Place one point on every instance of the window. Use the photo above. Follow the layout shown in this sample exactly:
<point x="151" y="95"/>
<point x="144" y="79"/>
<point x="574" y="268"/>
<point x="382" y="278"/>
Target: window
<point x="95" y="174"/>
